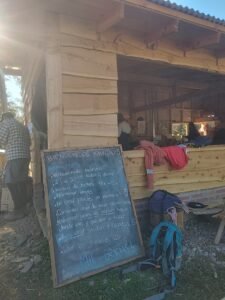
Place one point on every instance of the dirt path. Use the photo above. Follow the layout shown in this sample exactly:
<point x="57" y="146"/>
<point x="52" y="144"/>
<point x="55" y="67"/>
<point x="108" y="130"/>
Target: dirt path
<point x="25" y="271"/>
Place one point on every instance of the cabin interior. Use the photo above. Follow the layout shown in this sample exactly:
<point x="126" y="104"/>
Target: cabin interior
<point x="162" y="99"/>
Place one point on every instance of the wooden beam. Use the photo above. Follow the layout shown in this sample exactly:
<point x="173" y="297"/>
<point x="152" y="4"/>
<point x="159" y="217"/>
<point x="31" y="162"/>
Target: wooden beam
<point x="54" y="99"/>
<point x="170" y="12"/>
<point x="131" y="77"/>
<point x="112" y="18"/>
<point x="155" y="36"/>
<point x="192" y="96"/>
<point x="134" y="46"/>
<point x="203" y="41"/>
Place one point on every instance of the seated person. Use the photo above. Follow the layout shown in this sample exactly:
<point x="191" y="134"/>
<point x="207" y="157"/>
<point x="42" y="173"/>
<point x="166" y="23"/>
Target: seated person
<point x="219" y="135"/>
<point x="194" y="137"/>
<point x="124" y="131"/>
<point x="193" y="132"/>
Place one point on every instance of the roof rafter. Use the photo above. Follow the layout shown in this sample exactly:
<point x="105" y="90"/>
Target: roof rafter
<point x="193" y="95"/>
<point x="212" y="38"/>
<point x="112" y="18"/>
<point x="170" y="12"/>
<point x="156" y="35"/>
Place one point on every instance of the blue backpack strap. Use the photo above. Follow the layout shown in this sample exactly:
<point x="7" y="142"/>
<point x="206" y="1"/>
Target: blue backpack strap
<point x="169" y="259"/>
<point x="154" y="237"/>
<point x="172" y="231"/>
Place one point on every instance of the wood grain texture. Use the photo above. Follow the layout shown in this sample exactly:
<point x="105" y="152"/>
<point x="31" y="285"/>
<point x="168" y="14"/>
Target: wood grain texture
<point x="78" y="27"/>
<point x="101" y="125"/>
<point x="54" y="99"/>
<point x="89" y="63"/>
<point x="77" y="84"/>
<point x="133" y="45"/>
<point x="89" y="104"/>
<point x="71" y="141"/>
<point x="205" y="170"/>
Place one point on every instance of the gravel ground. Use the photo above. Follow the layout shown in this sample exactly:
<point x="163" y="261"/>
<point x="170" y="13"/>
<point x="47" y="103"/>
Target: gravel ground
<point x="26" y="271"/>
<point x="199" y="238"/>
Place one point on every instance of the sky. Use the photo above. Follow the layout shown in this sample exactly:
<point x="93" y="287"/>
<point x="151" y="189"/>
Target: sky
<point x="13" y="88"/>
<point x="212" y="7"/>
<point x="13" y="91"/>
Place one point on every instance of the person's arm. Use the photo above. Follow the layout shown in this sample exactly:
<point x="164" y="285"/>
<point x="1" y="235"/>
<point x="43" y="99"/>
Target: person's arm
<point x="4" y="132"/>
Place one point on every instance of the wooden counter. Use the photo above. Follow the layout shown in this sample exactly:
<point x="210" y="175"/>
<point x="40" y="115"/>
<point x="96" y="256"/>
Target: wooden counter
<point x="205" y="170"/>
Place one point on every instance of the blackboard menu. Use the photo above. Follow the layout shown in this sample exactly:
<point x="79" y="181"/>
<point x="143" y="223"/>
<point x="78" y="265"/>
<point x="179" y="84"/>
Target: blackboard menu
<point x="91" y="218"/>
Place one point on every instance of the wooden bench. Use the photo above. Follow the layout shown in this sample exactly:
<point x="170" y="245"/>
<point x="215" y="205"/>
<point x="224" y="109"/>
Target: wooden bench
<point x="217" y="210"/>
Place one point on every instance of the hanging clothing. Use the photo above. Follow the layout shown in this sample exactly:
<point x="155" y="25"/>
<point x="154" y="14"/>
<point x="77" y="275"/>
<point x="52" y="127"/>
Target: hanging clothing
<point x="176" y="156"/>
<point x="154" y="155"/>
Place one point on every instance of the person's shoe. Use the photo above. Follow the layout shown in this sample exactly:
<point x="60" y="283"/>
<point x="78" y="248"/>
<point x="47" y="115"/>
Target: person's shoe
<point x="15" y="215"/>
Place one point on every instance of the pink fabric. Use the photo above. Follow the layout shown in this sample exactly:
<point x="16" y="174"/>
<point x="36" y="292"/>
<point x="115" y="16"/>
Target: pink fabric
<point x="172" y="212"/>
<point x="153" y="156"/>
<point x="176" y="156"/>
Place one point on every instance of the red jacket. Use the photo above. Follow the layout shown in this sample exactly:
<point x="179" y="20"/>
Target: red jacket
<point x="176" y="156"/>
<point x="153" y="156"/>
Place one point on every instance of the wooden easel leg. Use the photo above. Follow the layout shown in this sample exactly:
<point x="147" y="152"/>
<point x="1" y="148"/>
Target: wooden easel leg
<point x="220" y="232"/>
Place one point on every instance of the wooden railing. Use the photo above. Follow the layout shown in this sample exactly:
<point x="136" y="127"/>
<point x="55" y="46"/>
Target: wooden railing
<point x="205" y="170"/>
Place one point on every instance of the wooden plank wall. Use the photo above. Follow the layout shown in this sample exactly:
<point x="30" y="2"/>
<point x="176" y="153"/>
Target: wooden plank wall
<point x="82" y="102"/>
<point x="205" y="170"/>
<point x="89" y="87"/>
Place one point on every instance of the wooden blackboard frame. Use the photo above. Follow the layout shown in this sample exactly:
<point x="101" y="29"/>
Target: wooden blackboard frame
<point x="49" y="221"/>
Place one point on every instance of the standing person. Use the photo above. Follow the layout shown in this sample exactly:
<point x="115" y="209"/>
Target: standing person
<point x="15" y="139"/>
<point x="195" y="137"/>
<point x="124" y="131"/>
<point x="193" y="133"/>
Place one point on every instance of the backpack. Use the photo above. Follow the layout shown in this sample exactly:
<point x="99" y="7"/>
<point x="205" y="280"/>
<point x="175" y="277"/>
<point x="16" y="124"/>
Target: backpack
<point x="161" y="200"/>
<point x="165" y="247"/>
<point x="159" y="203"/>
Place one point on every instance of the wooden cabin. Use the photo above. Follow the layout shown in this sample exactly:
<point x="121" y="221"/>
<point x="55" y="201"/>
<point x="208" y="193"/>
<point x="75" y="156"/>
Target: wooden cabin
<point x="83" y="61"/>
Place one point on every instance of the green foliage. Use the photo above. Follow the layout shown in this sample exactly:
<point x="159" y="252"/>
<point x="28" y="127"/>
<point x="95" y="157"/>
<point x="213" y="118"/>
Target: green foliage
<point x="14" y="97"/>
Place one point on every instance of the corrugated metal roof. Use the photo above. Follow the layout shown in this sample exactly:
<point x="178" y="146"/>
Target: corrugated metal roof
<point x="189" y="11"/>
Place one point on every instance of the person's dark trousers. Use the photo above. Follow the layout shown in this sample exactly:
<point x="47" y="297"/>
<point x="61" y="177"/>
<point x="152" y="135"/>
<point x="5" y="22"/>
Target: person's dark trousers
<point x="19" y="194"/>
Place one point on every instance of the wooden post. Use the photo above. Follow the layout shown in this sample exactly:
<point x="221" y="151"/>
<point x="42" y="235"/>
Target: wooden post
<point x="54" y="86"/>
<point x="220" y="231"/>
<point x="54" y="99"/>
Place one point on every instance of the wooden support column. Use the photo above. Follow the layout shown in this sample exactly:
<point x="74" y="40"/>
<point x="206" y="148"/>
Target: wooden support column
<point x="54" y="99"/>
<point x="54" y="85"/>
